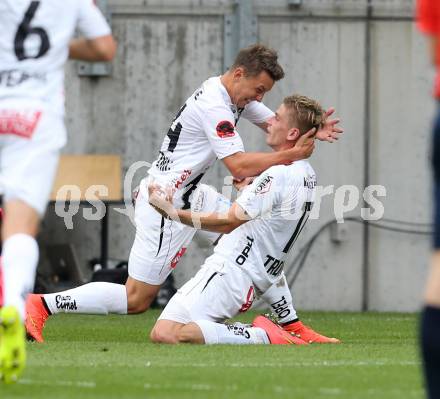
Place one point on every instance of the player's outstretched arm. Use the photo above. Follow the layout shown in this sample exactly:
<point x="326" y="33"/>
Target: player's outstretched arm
<point x="263" y="126"/>
<point x="246" y="164"/>
<point x="101" y="48"/>
<point x="216" y="222"/>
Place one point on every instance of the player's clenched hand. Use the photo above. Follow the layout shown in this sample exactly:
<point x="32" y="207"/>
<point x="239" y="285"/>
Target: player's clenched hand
<point x="239" y="184"/>
<point x="329" y="131"/>
<point x="161" y="200"/>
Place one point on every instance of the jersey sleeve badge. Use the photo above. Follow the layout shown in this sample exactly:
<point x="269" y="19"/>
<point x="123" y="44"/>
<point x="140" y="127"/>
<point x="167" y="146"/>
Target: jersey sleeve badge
<point x="225" y="129"/>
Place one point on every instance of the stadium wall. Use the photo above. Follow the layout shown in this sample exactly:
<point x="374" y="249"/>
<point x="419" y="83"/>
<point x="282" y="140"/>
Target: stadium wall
<point x="365" y="58"/>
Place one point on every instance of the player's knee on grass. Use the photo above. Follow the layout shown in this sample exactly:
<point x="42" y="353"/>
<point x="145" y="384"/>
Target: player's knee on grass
<point x="170" y="332"/>
<point x="190" y="333"/>
<point x="136" y="306"/>
<point x="163" y="335"/>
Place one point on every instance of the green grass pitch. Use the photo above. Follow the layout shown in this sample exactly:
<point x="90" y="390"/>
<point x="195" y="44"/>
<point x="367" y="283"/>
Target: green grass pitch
<point x="111" y="357"/>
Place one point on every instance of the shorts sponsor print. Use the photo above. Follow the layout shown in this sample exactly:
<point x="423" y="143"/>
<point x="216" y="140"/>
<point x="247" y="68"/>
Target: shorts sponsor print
<point x="30" y="141"/>
<point x="19" y="123"/>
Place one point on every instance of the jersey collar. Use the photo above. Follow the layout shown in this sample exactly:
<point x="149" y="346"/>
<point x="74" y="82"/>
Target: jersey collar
<point x="226" y="96"/>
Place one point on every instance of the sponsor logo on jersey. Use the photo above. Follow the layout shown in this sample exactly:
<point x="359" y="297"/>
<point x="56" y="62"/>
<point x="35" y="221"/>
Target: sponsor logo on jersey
<point x="245" y="253"/>
<point x="177" y="257"/>
<point x="273" y="266"/>
<point x="19" y="123"/>
<point x="264" y="185"/>
<point x="225" y="129"/>
<point x="249" y="300"/>
<point x="184" y="176"/>
<point x="281" y="308"/>
<point x="14" y="77"/>
<point x="310" y="182"/>
<point x="198" y="94"/>
<point x="163" y="162"/>
<point x="65" y="302"/>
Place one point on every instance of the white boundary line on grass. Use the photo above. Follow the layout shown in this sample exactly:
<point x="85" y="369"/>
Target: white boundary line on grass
<point x="194" y="387"/>
<point x="79" y="384"/>
<point x="209" y="387"/>
<point x="331" y="363"/>
<point x="328" y="391"/>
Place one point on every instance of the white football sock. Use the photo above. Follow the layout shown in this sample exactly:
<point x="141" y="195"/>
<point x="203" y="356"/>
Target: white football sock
<point x="19" y="262"/>
<point x="92" y="298"/>
<point x="279" y="298"/>
<point x="237" y="333"/>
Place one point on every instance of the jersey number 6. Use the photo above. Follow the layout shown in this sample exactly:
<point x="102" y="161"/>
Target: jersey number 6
<point x="24" y="30"/>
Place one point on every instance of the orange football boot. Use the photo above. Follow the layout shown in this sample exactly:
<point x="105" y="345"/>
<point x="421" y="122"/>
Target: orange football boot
<point x="36" y="316"/>
<point x="309" y="335"/>
<point x="276" y="335"/>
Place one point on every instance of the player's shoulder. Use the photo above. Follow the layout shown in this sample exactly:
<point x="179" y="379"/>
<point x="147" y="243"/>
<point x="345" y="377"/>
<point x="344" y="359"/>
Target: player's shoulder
<point x="65" y="10"/>
<point x="294" y="173"/>
<point x="82" y="3"/>
<point x="301" y="172"/>
<point x="210" y="96"/>
<point x="279" y="176"/>
<point x="67" y="3"/>
<point x="302" y="166"/>
<point x="276" y="170"/>
<point x="276" y="173"/>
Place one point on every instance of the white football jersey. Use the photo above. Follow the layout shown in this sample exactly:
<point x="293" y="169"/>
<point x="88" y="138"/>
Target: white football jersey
<point x="203" y="130"/>
<point x="279" y="202"/>
<point x="34" y="45"/>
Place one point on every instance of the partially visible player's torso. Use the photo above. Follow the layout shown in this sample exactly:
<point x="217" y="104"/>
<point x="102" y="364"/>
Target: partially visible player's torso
<point x="428" y="18"/>
<point x="34" y="46"/>
<point x="203" y="130"/>
<point x="33" y="50"/>
<point x="260" y="246"/>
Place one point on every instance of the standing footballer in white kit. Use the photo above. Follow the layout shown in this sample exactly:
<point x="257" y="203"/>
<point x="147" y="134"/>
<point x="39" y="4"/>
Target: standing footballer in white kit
<point x="261" y="226"/>
<point x="35" y="42"/>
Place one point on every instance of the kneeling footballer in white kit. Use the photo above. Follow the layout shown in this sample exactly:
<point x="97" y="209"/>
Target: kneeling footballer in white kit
<point x="261" y="226"/>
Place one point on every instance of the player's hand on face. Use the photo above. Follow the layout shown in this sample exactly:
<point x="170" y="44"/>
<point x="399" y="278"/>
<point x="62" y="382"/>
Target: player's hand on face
<point x="239" y="184"/>
<point x="330" y="131"/>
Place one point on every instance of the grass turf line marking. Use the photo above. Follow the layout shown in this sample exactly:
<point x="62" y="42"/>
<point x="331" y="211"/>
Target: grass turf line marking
<point x="323" y="391"/>
<point x="325" y="363"/>
<point x="330" y="391"/>
<point x="192" y="387"/>
<point x="79" y="384"/>
<point x="287" y="364"/>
